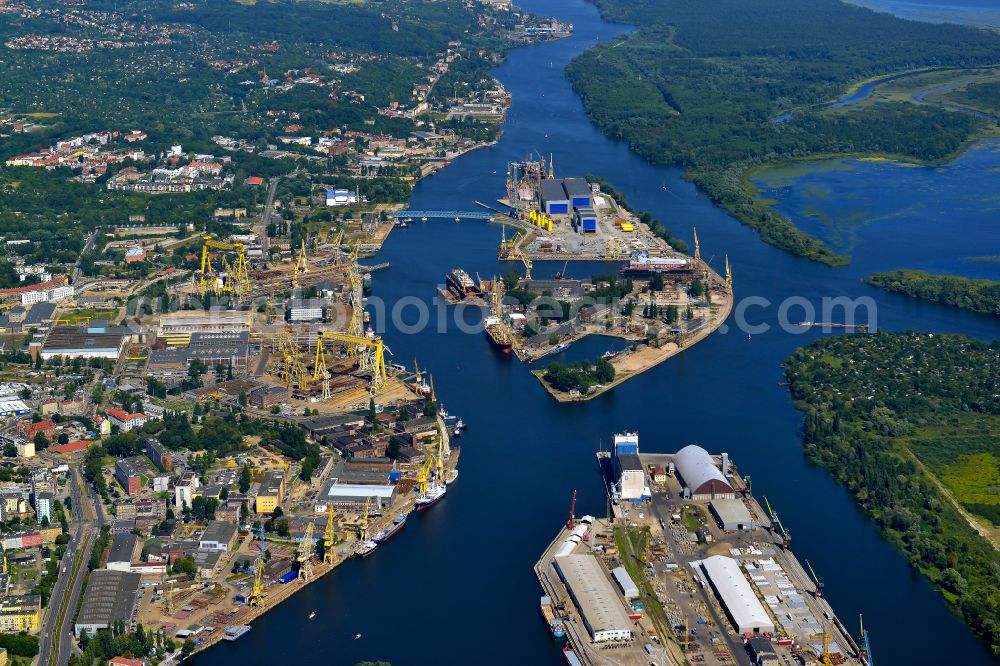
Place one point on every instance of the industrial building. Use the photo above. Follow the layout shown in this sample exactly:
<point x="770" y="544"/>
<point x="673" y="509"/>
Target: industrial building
<point x="600" y="606"/>
<point x="270" y="492"/>
<point x="219" y="535"/>
<point x="177" y="328"/>
<point x="301" y="310"/>
<point x="354" y="496"/>
<point x="731" y="514"/>
<point x="631" y="475"/>
<point x="123" y="548"/>
<point x="212" y="349"/>
<point x="761" y="651"/>
<point x="701" y="479"/>
<point x="736" y="596"/>
<point x="625" y="583"/>
<point x="579" y="192"/>
<point x="553" y="198"/>
<point x="20" y="613"/>
<point x="111" y="596"/>
<point x="84" y="342"/>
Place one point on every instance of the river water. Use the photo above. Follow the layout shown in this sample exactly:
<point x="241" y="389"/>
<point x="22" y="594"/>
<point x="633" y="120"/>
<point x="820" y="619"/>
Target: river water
<point x="456" y="585"/>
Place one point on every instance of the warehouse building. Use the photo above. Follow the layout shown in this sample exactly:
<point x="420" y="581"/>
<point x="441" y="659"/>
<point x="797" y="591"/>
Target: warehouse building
<point x="349" y="496"/>
<point x="731" y="514"/>
<point x="586" y="220"/>
<point x="123" y="548"/>
<point x="625" y="583"/>
<point x="701" y="478"/>
<point x="111" y="596"/>
<point x="631" y="477"/>
<point x="553" y="198"/>
<point x="736" y="596"/>
<point x="219" y="535"/>
<point x="600" y="606"/>
<point x="177" y="328"/>
<point x="579" y="192"/>
<point x="301" y="310"/>
<point x="212" y="349"/>
<point x="762" y="652"/>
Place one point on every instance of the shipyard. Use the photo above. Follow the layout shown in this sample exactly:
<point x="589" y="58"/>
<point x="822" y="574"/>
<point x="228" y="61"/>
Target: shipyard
<point x="656" y="298"/>
<point x="686" y="567"/>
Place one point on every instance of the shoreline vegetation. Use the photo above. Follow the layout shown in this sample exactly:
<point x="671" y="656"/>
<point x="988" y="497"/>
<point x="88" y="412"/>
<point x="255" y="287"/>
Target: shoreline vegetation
<point x="701" y="87"/>
<point x="909" y="423"/>
<point x="969" y="294"/>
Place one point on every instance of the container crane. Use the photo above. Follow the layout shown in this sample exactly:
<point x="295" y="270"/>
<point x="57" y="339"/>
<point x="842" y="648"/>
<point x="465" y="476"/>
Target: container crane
<point x="776" y="522"/>
<point x="819" y="583"/>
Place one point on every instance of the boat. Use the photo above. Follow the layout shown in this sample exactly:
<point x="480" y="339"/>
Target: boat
<point x="387" y="533"/>
<point x="554" y="623"/>
<point x="357" y="637"/>
<point x="498" y="335"/>
<point x="312" y="615"/>
<point x="460" y="424"/>
<point x="235" y="631"/>
<point x="431" y="497"/>
<point x="452" y="477"/>
<point x="562" y="346"/>
<point x="571" y="657"/>
<point x="367" y="548"/>
<point x="460" y="282"/>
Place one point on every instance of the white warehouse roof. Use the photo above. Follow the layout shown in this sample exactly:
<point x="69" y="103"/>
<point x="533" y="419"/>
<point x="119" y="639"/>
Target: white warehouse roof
<point x="699" y="473"/>
<point x="737" y="597"/>
<point x="351" y="490"/>
<point x="600" y="606"/>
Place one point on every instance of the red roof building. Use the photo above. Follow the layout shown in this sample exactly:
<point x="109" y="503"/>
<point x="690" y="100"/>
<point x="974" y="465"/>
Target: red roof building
<point x="71" y="448"/>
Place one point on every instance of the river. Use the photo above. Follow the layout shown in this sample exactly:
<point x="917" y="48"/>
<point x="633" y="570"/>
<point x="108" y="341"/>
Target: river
<point x="456" y="585"/>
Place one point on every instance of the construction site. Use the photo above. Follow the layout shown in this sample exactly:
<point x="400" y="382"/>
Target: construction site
<point x="689" y="568"/>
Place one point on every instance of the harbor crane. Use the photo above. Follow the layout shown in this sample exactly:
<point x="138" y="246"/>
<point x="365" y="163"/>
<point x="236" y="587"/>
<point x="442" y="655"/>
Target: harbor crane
<point x="572" y="512"/>
<point x="825" y="658"/>
<point x="363" y="523"/>
<point x="301" y="265"/>
<point x="867" y="657"/>
<point x="307" y="546"/>
<point x="729" y="276"/>
<point x="697" y="246"/>
<point x="329" y="536"/>
<point x="776" y="522"/>
<point x="819" y="583"/>
<point x="256" y="596"/>
<point x="319" y="369"/>
<point x="424" y="474"/>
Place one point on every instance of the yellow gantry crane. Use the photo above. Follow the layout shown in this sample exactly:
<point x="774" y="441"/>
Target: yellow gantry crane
<point x="234" y="279"/>
<point x="510" y="249"/>
<point x="329" y="536"/>
<point x="697" y="246"/>
<point x="424" y="474"/>
<point x="729" y="276"/>
<point x="825" y="658"/>
<point x="370" y="352"/>
<point x="320" y="373"/>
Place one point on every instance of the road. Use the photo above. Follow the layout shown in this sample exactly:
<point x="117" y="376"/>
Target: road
<point x="86" y="248"/>
<point x="54" y="645"/>
<point x="265" y="217"/>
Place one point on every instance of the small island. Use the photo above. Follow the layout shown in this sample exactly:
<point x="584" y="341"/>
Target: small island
<point x="966" y="293"/>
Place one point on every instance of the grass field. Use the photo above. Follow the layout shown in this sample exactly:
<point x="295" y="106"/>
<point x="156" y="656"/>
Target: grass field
<point x="965" y="456"/>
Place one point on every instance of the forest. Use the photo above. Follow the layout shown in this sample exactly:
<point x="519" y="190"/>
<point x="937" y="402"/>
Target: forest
<point x="893" y="415"/>
<point x="966" y="293"/>
<point x="702" y="86"/>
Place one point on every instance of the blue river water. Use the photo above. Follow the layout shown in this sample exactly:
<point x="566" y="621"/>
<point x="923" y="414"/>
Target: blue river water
<point x="456" y="585"/>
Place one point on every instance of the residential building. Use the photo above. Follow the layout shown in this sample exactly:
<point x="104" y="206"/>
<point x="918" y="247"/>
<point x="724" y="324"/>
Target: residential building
<point x="20" y="613"/>
<point x="128" y="476"/>
<point x="124" y="420"/>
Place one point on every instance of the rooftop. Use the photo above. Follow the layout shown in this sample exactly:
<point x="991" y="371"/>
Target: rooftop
<point x="110" y="596"/>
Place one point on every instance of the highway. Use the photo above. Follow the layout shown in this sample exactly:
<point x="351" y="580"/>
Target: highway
<point x="54" y="643"/>
<point x="265" y="216"/>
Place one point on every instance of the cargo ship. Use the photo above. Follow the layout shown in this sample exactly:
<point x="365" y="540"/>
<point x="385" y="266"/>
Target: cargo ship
<point x="235" y="631"/>
<point x="431" y="497"/>
<point x="643" y="264"/>
<point x="571" y="657"/>
<point x="367" y="548"/>
<point x="460" y="283"/>
<point x="555" y="624"/>
<point x="498" y="335"/>
<point x="388" y="532"/>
